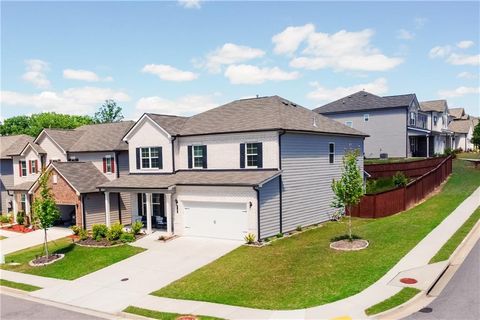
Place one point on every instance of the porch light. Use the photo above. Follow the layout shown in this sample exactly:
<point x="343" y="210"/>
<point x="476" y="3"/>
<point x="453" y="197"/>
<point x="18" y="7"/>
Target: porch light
<point x="250" y="204"/>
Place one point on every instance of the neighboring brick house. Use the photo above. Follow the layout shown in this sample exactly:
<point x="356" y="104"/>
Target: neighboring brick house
<point x="79" y="159"/>
<point x="260" y="166"/>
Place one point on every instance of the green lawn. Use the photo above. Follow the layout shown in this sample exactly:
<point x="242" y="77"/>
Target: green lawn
<point x="392" y="160"/>
<point x="403" y="296"/>
<point x="18" y="285"/>
<point x="302" y="271"/>
<point x="469" y="155"/>
<point x="381" y="185"/>
<point x="446" y="251"/>
<point x="78" y="261"/>
<point x="160" y="315"/>
<point x="2" y="237"/>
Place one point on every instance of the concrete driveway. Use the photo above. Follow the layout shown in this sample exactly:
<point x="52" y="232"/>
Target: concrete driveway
<point x="17" y="241"/>
<point x="122" y="284"/>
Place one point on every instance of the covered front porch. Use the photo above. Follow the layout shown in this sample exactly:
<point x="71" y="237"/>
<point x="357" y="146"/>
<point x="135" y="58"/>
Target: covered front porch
<point x="152" y="207"/>
<point x="419" y="143"/>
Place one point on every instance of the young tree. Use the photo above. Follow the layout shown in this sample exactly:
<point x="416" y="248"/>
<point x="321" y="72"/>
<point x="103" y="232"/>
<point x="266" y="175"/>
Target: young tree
<point x="108" y="112"/>
<point x="45" y="209"/>
<point x="476" y="135"/>
<point x="349" y="189"/>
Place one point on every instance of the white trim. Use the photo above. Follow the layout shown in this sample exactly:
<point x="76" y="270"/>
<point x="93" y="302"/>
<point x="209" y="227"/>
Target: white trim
<point x="193" y="155"/>
<point x="150" y="158"/>
<point x="55" y="142"/>
<point x="349" y="123"/>
<point x="246" y="155"/>
<point x="270" y="179"/>
<point x="29" y="144"/>
<point x="366" y="117"/>
<point x="142" y="119"/>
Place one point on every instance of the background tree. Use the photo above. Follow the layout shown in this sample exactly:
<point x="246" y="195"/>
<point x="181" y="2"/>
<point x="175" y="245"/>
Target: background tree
<point x="45" y="209"/>
<point x="34" y="124"/>
<point x="476" y="135"/>
<point x="108" y="112"/>
<point x="349" y="189"/>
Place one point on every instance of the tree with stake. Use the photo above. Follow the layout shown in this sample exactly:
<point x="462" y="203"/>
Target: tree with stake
<point x="45" y="209"/>
<point x="349" y="189"/>
<point x="476" y="136"/>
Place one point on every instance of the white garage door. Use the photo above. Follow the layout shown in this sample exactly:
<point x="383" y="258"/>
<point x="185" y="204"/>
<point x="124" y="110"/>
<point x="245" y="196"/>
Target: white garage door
<point x="216" y="220"/>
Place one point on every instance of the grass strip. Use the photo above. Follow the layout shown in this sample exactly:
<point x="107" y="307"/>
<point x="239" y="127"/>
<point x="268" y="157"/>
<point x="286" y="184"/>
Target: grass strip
<point x="160" y="315"/>
<point x="18" y="285"/>
<point x="401" y="297"/>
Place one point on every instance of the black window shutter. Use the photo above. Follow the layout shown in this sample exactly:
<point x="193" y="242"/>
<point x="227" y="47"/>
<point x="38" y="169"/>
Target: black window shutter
<point x="242" y="155"/>
<point x="138" y="158"/>
<point x="160" y="158"/>
<point x="260" y="155"/>
<point x="139" y="204"/>
<point x="204" y="151"/>
<point x="190" y="161"/>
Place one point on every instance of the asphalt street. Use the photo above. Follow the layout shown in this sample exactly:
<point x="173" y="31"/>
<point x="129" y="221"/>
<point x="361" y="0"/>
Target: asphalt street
<point x="460" y="300"/>
<point x="13" y="308"/>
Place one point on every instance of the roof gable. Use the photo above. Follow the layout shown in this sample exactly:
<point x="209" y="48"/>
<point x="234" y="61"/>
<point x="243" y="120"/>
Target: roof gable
<point x="13" y="145"/>
<point x="434" y="105"/>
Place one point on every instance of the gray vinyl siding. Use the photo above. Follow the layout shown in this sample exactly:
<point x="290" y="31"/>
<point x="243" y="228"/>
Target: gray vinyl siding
<point x="95" y="208"/>
<point x="387" y="130"/>
<point x="6" y="180"/>
<point x="126" y="207"/>
<point x="270" y="208"/>
<point x="307" y="176"/>
<point x="123" y="168"/>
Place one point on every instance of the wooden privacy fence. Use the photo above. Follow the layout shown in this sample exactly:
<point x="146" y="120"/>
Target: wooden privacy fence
<point x="400" y="199"/>
<point x="411" y="169"/>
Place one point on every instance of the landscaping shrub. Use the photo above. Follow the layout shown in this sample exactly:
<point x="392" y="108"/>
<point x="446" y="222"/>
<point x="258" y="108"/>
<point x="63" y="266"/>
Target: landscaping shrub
<point x="127" y="237"/>
<point x="20" y="217"/>
<point x="115" y="232"/>
<point x="137" y="227"/>
<point x="345" y="237"/>
<point x="99" y="231"/>
<point x="299" y="228"/>
<point x="4" y="218"/>
<point x="249" y="238"/>
<point x="83" y="234"/>
<point x="399" y="179"/>
<point x="76" y="230"/>
<point x="279" y="235"/>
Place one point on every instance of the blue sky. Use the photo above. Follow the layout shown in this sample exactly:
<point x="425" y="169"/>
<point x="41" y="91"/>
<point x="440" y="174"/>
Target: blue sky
<point x="185" y="57"/>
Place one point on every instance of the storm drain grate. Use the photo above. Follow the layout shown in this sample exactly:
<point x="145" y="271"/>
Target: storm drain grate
<point x="426" y="310"/>
<point x="124" y="279"/>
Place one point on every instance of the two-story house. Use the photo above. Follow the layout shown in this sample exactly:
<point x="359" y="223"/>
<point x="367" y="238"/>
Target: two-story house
<point x="77" y="160"/>
<point x="395" y="124"/>
<point x="441" y="137"/>
<point x="9" y="145"/>
<point x="261" y="166"/>
<point x="462" y="126"/>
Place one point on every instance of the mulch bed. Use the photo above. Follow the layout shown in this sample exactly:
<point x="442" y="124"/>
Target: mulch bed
<point x="103" y="243"/>
<point x="18" y="228"/>
<point x="346" y="245"/>
<point x="43" y="261"/>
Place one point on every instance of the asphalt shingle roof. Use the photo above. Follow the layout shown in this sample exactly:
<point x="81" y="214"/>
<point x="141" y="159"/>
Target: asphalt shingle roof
<point x="457" y="113"/>
<point x="434" y="105"/>
<point x="25" y="186"/>
<point x="462" y="126"/>
<point x="83" y="176"/>
<point x="264" y="113"/>
<point x="13" y="144"/>
<point x="155" y="181"/>
<point x="172" y="124"/>
<point x="363" y="100"/>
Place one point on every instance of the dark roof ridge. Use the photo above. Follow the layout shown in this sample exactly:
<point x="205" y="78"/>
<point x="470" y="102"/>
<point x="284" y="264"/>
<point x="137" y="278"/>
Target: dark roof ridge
<point x="164" y="115"/>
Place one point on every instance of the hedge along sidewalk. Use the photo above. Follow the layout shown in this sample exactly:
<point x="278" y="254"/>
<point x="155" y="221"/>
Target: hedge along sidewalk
<point x="353" y="306"/>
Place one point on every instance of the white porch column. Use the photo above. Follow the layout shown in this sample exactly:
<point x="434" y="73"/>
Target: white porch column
<point x="428" y="146"/>
<point x="27" y="204"/>
<point x="15" y="207"/>
<point x="148" y="199"/>
<point x="107" y="208"/>
<point x="168" y="209"/>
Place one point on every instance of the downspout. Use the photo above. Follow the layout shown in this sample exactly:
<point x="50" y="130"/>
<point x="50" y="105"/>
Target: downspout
<point x="173" y="153"/>
<point x="84" y="216"/>
<point x="280" y="184"/>
<point x="258" y="211"/>
<point x="407" y="139"/>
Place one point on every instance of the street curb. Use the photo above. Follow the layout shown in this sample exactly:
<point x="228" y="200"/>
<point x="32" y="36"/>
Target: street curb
<point x="465" y="246"/>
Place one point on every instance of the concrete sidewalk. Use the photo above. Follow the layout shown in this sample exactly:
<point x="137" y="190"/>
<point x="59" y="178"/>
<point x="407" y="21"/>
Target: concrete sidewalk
<point x="18" y="241"/>
<point x="353" y="306"/>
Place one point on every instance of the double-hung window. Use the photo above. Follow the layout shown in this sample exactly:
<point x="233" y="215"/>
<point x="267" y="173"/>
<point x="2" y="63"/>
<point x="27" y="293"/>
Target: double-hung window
<point x="252" y="155"/>
<point x="366" y="117"/>
<point x="33" y="166"/>
<point x="22" y="168"/>
<point x="412" y="118"/>
<point x="199" y="154"/>
<point x="150" y="158"/>
<point x="331" y="152"/>
<point x="23" y="202"/>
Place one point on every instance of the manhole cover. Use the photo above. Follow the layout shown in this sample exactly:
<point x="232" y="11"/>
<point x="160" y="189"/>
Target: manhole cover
<point x="426" y="310"/>
<point x="124" y="279"/>
<point x="408" y="280"/>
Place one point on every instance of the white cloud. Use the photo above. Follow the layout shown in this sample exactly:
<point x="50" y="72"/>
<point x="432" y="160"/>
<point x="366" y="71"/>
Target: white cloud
<point x="321" y="93"/>
<point x="463" y="59"/>
<point x="227" y="54"/>
<point x="248" y="74"/>
<point x="465" y="44"/>
<point x="405" y="34"/>
<point x="187" y="105"/>
<point x="35" y="73"/>
<point x="288" y="41"/>
<point x="458" y="92"/>
<point x="190" y="4"/>
<point x="73" y="100"/>
<point x="467" y="75"/>
<point x="342" y="50"/>
<point x="83" y="75"/>
<point x="169" y="73"/>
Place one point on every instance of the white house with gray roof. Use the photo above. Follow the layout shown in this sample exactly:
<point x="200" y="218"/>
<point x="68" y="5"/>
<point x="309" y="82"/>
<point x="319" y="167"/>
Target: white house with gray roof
<point x="260" y="166"/>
